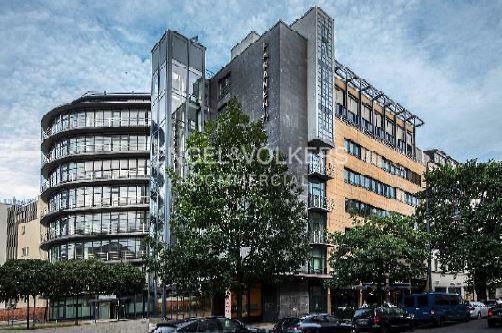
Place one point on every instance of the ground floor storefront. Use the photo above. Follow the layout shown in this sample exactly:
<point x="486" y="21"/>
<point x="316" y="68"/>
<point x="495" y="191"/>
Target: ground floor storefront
<point x="97" y="307"/>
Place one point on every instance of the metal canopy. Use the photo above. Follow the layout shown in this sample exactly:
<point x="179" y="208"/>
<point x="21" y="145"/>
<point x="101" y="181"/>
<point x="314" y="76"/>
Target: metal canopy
<point x="376" y="95"/>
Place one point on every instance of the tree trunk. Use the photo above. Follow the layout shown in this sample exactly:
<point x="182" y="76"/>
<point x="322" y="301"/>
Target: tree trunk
<point x="28" y="312"/>
<point x="46" y="309"/>
<point x="34" y="311"/>
<point x="76" y="310"/>
<point x="480" y="286"/>
<point x="239" y="301"/>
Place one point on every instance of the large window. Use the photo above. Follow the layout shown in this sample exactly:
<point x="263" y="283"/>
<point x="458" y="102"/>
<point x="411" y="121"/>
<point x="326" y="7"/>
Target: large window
<point x="356" y="179"/>
<point x="98" y="143"/>
<point x="99" y="118"/>
<point x="360" y="208"/>
<point x="318" y="260"/>
<point x="99" y="169"/>
<point x="98" y="196"/>
<point x="106" y="249"/>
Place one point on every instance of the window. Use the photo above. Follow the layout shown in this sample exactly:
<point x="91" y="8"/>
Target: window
<point x="422" y="301"/>
<point x="23" y="230"/>
<point x="224" y="86"/>
<point x="25" y="251"/>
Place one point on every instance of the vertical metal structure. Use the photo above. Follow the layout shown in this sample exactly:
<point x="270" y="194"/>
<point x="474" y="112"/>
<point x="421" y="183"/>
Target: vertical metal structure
<point x="177" y="102"/>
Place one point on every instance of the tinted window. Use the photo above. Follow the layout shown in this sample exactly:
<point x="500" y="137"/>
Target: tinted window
<point x="331" y="319"/>
<point x="207" y="325"/>
<point x="229" y="325"/>
<point x="409" y="301"/>
<point x="442" y="300"/>
<point x="290" y="322"/>
<point x="454" y="300"/>
<point x="188" y="327"/>
<point x="363" y="313"/>
<point x="422" y="301"/>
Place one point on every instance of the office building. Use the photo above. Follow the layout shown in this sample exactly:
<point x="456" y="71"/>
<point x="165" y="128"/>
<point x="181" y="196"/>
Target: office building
<point x="359" y="145"/>
<point x="23" y="242"/>
<point x="95" y="175"/>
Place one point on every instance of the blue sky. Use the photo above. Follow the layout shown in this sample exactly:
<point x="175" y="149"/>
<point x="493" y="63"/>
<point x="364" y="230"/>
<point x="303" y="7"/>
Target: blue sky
<point x="440" y="59"/>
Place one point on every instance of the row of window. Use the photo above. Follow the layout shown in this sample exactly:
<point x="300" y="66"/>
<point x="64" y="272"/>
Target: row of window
<point x="100" y="118"/>
<point x="106" y="223"/>
<point x="107" y="249"/>
<point x="100" y="169"/>
<point x="378" y="160"/>
<point x="369" y="183"/>
<point x="98" y="196"/>
<point x="99" y="143"/>
<point x="375" y="186"/>
<point x="360" y="208"/>
<point x="349" y="109"/>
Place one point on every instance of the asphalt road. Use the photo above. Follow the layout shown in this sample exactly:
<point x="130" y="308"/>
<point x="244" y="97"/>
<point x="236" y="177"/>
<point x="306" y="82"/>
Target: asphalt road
<point x="473" y="326"/>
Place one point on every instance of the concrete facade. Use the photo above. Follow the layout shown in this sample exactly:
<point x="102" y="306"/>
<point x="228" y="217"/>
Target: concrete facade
<point x="3" y="232"/>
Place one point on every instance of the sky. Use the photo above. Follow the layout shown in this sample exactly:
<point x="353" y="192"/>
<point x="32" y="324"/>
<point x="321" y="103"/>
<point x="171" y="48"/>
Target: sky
<point x="439" y="59"/>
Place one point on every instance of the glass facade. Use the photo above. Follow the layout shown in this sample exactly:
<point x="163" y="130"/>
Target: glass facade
<point x="121" y="168"/>
<point x="98" y="196"/>
<point x="100" y="207"/>
<point x="177" y="110"/>
<point x="98" y="118"/>
<point x="325" y="90"/>
<point x="97" y="144"/>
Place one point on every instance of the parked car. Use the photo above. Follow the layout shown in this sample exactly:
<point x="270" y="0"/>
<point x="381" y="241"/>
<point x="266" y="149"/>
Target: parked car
<point x="490" y="303"/>
<point x="381" y="320"/>
<point x="206" y="324"/>
<point x="436" y="308"/>
<point x="316" y="323"/>
<point x="495" y="315"/>
<point x="478" y="310"/>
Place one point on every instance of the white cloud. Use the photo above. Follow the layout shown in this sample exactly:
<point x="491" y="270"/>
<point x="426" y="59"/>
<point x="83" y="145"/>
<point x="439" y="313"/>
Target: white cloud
<point x="438" y="59"/>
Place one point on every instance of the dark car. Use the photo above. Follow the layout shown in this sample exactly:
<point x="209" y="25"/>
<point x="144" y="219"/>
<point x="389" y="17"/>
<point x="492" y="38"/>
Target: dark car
<point x="382" y="320"/>
<point x="317" y="323"/>
<point x="495" y="315"/>
<point x="207" y="324"/>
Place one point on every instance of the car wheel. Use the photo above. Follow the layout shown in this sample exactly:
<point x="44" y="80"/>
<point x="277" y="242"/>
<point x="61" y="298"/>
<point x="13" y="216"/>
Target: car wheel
<point x="439" y="322"/>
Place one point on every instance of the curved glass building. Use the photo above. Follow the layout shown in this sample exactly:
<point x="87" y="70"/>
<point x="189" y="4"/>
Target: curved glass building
<point x="95" y="175"/>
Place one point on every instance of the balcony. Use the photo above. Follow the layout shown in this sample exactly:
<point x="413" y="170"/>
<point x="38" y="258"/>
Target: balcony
<point x="120" y="203"/>
<point x="319" y="168"/>
<point x="104" y="123"/>
<point x="101" y="176"/>
<point x="319" y="203"/>
<point x="318" y="237"/>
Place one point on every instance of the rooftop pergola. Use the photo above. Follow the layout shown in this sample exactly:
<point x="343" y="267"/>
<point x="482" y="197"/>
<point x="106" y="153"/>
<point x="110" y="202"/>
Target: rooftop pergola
<point x="373" y="94"/>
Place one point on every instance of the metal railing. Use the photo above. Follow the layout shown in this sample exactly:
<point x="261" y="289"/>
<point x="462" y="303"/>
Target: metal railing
<point x="118" y="202"/>
<point x="110" y="122"/>
<point x="318" y="237"/>
<point x="49" y="159"/>
<point x="52" y="234"/>
<point x="90" y="176"/>
<point x="319" y="201"/>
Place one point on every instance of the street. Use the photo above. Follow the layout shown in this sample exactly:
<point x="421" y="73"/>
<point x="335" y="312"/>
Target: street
<point x="473" y="326"/>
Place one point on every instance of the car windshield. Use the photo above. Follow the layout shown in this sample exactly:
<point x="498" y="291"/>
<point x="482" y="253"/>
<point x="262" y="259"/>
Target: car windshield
<point x="363" y="313"/>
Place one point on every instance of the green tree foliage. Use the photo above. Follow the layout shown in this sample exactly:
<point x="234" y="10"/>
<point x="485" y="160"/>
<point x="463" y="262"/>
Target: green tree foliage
<point x="72" y="278"/>
<point x="379" y="251"/>
<point x="24" y="279"/>
<point x="464" y="207"/>
<point x="236" y="218"/>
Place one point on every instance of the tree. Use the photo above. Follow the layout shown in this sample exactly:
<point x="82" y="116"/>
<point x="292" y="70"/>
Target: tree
<point x="463" y="205"/>
<point x="378" y="250"/>
<point x="236" y="217"/>
<point x="75" y="278"/>
<point x="22" y="278"/>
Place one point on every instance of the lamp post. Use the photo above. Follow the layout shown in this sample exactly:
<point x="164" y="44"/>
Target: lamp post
<point x="429" y="245"/>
